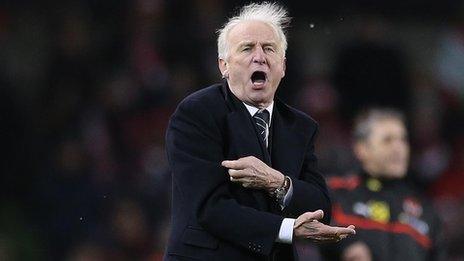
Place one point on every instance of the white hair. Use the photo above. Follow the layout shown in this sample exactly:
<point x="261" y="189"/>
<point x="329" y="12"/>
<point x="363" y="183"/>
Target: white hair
<point x="270" y="13"/>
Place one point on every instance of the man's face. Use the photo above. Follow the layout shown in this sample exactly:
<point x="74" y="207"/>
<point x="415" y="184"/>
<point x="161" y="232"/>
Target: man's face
<point x="385" y="153"/>
<point x="255" y="63"/>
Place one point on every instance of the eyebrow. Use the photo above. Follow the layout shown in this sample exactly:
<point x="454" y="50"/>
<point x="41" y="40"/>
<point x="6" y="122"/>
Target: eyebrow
<point x="250" y="43"/>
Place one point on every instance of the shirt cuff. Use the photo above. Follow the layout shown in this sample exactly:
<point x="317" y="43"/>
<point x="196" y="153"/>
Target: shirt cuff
<point x="286" y="231"/>
<point x="286" y="200"/>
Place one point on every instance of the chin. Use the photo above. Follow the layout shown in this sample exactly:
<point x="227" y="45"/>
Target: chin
<point x="259" y="99"/>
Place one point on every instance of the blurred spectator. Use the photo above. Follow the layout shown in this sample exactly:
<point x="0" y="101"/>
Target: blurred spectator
<point x="393" y="220"/>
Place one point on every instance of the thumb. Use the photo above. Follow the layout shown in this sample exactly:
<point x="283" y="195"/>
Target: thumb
<point x="318" y="214"/>
<point x="308" y="217"/>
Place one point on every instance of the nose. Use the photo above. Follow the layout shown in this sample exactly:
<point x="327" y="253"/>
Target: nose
<point x="258" y="56"/>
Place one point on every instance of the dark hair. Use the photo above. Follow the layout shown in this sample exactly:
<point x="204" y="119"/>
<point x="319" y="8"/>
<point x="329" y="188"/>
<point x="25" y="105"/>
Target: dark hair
<point x="363" y="122"/>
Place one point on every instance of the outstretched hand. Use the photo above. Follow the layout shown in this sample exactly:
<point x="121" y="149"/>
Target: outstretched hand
<point x="307" y="226"/>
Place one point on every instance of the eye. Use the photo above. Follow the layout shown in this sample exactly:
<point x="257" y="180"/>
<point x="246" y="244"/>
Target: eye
<point x="387" y="139"/>
<point x="246" y="49"/>
<point x="269" y="49"/>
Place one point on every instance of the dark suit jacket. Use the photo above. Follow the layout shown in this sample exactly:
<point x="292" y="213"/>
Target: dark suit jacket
<point x="214" y="219"/>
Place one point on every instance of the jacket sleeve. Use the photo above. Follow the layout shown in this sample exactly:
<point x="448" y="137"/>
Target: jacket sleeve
<point x="195" y="152"/>
<point x="309" y="191"/>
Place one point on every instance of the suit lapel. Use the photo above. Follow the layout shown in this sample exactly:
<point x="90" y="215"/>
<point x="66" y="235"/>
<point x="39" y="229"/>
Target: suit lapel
<point x="244" y="137"/>
<point x="287" y="149"/>
<point x="242" y="130"/>
<point x="243" y="134"/>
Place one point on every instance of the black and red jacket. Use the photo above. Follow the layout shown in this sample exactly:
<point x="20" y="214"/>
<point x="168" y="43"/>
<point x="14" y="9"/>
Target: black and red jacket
<point x="391" y="217"/>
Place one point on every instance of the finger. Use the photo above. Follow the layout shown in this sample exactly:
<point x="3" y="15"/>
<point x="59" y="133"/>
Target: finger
<point x="238" y="173"/>
<point x="322" y="230"/>
<point x="240" y="180"/>
<point x="232" y="173"/>
<point x="318" y="214"/>
<point x="247" y="184"/>
<point x="234" y="164"/>
<point x="344" y="231"/>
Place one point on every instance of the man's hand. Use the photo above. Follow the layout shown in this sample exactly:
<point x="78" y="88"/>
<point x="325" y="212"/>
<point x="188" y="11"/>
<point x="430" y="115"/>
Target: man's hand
<point x="307" y="226"/>
<point x="253" y="173"/>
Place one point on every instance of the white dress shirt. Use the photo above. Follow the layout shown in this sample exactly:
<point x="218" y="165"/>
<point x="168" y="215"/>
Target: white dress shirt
<point x="286" y="228"/>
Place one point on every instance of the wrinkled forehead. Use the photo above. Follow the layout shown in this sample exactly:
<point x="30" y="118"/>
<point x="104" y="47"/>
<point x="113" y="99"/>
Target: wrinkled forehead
<point x="253" y="31"/>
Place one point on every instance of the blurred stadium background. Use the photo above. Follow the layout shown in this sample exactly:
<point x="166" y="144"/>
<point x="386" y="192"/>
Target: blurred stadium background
<point x="87" y="88"/>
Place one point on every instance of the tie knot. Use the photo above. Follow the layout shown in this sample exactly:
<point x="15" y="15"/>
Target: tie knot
<point x="262" y="115"/>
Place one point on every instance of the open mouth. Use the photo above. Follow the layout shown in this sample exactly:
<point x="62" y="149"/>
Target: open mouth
<point x="258" y="78"/>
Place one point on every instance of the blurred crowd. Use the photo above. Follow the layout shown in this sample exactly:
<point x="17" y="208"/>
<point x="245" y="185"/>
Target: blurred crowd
<point x="87" y="89"/>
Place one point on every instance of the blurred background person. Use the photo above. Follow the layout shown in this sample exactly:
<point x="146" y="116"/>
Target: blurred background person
<point x="87" y="88"/>
<point x="394" y="220"/>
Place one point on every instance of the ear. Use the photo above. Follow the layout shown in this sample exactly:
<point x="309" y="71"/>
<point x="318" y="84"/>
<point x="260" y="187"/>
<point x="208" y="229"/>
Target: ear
<point x="222" y="64"/>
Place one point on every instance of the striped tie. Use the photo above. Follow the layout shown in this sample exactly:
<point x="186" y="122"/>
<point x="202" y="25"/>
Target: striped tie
<point x="262" y="122"/>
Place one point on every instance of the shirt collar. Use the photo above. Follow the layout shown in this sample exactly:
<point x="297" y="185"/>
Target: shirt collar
<point x="252" y="110"/>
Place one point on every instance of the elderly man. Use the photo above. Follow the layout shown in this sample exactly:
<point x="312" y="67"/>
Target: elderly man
<point x="245" y="184"/>
<point x="393" y="221"/>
